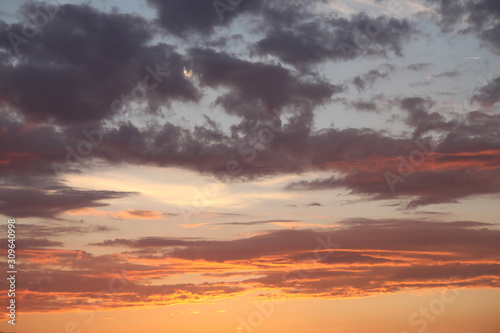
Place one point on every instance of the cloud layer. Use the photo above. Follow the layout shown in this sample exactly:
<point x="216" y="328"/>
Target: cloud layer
<point x="359" y="257"/>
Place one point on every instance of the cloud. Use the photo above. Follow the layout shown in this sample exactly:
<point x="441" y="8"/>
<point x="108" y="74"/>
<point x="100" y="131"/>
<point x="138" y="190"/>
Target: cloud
<point x="488" y="95"/>
<point x="255" y="84"/>
<point x="33" y="243"/>
<point x="290" y="241"/>
<point x="368" y="79"/>
<point x="418" y="115"/>
<point x="258" y="222"/>
<point x="417" y="67"/>
<point x="183" y="18"/>
<point x="377" y="103"/>
<point x="27" y="153"/>
<point x="312" y="204"/>
<point x="142" y="215"/>
<point x="480" y="17"/>
<point x="444" y="178"/>
<point x="83" y="62"/>
<point x="359" y="256"/>
<point x="449" y="74"/>
<point x="171" y="145"/>
<point x="364" y="106"/>
<point x="56" y="229"/>
<point x="295" y="147"/>
<point x="146" y="242"/>
<point x="30" y="186"/>
<point x="302" y="38"/>
<point x="51" y="202"/>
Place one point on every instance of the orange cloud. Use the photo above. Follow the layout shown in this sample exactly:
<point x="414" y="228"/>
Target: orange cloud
<point x="192" y="225"/>
<point x="140" y="214"/>
<point x="369" y="257"/>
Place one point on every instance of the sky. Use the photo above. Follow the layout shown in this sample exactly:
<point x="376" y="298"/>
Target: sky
<point x="251" y="166"/>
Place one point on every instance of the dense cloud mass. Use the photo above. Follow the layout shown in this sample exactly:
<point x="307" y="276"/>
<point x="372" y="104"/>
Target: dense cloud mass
<point x="82" y="61"/>
<point x="481" y="17"/>
<point x="302" y="38"/>
<point x="294" y="97"/>
<point x="51" y="201"/>
<point x="256" y="84"/>
<point x="365" y="256"/>
<point x="351" y="152"/>
<point x="182" y="18"/>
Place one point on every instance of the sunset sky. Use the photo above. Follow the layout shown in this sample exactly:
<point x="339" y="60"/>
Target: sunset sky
<point x="321" y="166"/>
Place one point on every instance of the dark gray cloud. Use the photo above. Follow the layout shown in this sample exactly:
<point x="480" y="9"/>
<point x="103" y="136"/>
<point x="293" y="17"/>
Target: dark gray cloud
<point x="257" y="222"/>
<point x="420" y="189"/>
<point x="185" y="17"/>
<point x="256" y="84"/>
<point x="31" y="152"/>
<point x="275" y="242"/>
<point x="420" y="116"/>
<point x="147" y="242"/>
<point x="418" y="66"/>
<point x="463" y="164"/>
<point x="55" y="229"/>
<point x="82" y="60"/>
<point x="449" y="74"/>
<point x="30" y="185"/>
<point x="33" y="243"/>
<point x="367" y="80"/>
<point x="52" y="201"/>
<point x="301" y="38"/>
<point x="481" y="17"/>
<point x="364" y="106"/>
<point x="314" y="204"/>
<point x="404" y="235"/>
<point x="295" y="147"/>
<point x="488" y="95"/>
